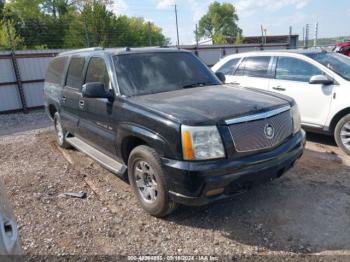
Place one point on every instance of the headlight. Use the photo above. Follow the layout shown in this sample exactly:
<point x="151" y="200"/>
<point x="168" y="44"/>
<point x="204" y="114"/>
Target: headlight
<point x="296" y="119"/>
<point x="201" y="143"/>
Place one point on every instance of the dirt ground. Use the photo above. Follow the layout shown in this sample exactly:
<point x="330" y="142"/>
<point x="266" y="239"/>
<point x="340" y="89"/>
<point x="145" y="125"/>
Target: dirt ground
<point x="307" y="211"/>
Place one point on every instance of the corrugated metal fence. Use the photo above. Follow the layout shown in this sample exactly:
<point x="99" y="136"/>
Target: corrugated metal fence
<point x="28" y="81"/>
<point x="22" y="89"/>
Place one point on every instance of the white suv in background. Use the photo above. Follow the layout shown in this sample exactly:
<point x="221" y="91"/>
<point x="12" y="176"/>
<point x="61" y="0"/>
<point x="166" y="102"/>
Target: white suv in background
<point x="319" y="82"/>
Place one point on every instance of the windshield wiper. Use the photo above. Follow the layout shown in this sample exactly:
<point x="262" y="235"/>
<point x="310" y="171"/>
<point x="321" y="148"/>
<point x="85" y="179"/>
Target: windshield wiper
<point x="199" y="84"/>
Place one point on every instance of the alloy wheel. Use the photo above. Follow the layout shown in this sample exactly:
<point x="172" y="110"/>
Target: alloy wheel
<point x="345" y="135"/>
<point x="146" y="181"/>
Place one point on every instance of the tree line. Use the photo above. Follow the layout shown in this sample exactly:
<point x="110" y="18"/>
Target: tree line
<point x="53" y="24"/>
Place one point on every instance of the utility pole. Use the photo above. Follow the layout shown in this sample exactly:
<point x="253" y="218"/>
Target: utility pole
<point x="149" y="34"/>
<point x="316" y="34"/>
<point x="307" y="31"/>
<point x="177" y="27"/>
<point x="290" y="37"/>
<point x="197" y="40"/>
<point x="304" y="37"/>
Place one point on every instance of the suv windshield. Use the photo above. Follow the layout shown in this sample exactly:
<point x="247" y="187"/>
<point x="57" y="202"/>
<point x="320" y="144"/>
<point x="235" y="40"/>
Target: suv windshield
<point x="149" y="73"/>
<point x="340" y="64"/>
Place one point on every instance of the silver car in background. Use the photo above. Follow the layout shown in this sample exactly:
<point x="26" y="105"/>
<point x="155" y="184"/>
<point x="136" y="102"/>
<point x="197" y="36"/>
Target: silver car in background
<point x="9" y="237"/>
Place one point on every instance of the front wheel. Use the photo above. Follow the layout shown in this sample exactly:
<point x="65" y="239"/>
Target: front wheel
<point x="148" y="182"/>
<point x="342" y="134"/>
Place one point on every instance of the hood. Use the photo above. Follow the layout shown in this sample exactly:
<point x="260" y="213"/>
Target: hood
<point x="210" y="104"/>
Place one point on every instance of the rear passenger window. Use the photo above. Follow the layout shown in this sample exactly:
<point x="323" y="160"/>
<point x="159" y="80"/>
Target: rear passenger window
<point x="97" y="72"/>
<point x="55" y="71"/>
<point x="75" y="72"/>
<point x="229" y="67"/>
<point x="293" y="69"/>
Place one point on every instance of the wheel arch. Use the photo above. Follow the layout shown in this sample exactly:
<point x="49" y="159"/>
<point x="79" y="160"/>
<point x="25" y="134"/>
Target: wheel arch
<point x="128" y="144"/>
<point x="131" y="136"/>
<point x="52" y="109"/>
<point x="337" y="118"/>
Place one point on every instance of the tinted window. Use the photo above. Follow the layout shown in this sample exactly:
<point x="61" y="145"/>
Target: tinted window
<point x="149" y="73"/>
<point x="55" y="70"/>
<point x="75" y="72"/>
<point x="254" y="66"/>
<point x="257" y="66"/>
<point x="293" y="69"/>
<point x="229" y="67"/>
<point x="97" y="72"/>
<point x="335" y="62"/>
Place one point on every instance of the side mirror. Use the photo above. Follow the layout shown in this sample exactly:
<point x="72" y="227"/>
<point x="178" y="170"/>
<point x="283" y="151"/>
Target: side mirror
<point x="221" y="76"/>
<point x="95" y="90"/>
<point x="321" y="80"/>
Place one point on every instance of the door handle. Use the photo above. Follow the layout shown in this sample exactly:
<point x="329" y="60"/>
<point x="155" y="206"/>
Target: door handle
<point x="81" y="104"/>
<point x="279" y="88"/>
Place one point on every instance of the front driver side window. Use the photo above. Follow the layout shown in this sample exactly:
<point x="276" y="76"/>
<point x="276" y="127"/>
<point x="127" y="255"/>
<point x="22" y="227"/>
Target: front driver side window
<point x="97" y="72"/>
<point x="229" y="67"/>
<point x="293" y="69"/>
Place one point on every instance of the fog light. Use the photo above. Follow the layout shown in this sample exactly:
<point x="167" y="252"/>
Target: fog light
<point x="215" y="192"/>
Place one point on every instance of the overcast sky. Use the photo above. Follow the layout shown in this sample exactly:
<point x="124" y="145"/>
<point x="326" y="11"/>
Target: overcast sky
<point x="275" y="15"/>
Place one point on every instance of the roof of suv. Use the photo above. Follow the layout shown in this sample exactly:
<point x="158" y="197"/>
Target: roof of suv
<point x="126" y="50"/>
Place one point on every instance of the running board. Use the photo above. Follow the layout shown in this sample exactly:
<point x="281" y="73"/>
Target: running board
<point x="104" y="160"/>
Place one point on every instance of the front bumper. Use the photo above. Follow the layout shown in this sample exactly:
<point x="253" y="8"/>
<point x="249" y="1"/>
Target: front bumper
<point x="189" y="182"/>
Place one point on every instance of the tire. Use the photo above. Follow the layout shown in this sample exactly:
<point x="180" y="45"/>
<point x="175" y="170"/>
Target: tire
<point x="342" y="134"/>
<point x="60" y="132"/>
<point x="147" y="179"/>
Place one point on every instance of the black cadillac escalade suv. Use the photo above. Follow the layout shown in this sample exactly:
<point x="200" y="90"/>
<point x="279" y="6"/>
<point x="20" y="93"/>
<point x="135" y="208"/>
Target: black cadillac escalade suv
<point x="160" y="119"/>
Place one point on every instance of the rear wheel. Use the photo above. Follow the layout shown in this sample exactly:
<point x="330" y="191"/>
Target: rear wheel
<point x="60" y="132"/>
<point x="342" y="134"/>
<point x="148" y="182"/>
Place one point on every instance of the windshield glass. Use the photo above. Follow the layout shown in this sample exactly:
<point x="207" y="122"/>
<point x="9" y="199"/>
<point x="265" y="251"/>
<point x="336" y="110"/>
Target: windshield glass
<point x="149" y="73"/>
<point x="335" y="62"/>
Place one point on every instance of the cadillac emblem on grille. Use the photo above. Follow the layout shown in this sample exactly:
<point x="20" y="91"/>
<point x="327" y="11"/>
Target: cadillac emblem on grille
<point x="269" y="131"/>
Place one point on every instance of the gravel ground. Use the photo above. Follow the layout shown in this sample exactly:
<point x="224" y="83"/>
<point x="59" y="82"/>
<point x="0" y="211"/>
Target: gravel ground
<point x="305" y="212"/>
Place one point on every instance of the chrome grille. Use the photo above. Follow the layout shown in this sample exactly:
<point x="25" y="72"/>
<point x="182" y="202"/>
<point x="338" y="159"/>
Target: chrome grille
<point x="251" y="135"/>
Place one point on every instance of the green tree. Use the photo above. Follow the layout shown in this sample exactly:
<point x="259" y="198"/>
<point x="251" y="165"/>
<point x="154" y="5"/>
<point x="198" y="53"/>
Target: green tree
<point x="239" y="39"/>
<point x="219" y="22"/>
<point x="97" y="26"/>
<point x="5" y="40"/>
<point x="78" y="23"/>
<point x="2" y="5"/>
<point x="36" y="24"/>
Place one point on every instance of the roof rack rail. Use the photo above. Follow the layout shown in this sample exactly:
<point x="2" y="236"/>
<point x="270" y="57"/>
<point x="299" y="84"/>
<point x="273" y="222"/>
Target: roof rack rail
<point x="90" y="49"/>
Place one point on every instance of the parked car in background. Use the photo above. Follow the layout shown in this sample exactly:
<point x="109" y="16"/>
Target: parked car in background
<point x="319" y="82"/>
<point x="9" y="238"/>
<point x="162" y="120"/>
<point x="343" y="48"/>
